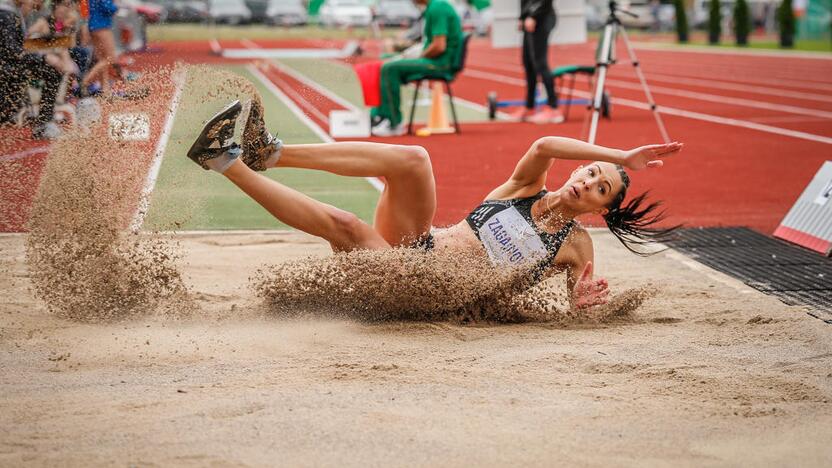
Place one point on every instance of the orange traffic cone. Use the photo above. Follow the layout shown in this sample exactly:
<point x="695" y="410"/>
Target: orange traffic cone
<point x="438" y="118"/>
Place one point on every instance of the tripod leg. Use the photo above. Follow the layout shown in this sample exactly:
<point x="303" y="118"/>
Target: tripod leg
<point x="643" y="80"/>
<point x="603" y="63"/>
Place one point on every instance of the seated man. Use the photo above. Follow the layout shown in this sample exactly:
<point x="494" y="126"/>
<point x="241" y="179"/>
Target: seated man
<point x="443" y="44"/>
<point x="18" y="68"/>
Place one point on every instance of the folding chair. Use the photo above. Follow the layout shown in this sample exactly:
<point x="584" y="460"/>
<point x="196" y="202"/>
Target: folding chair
<point x="447" y="80"/>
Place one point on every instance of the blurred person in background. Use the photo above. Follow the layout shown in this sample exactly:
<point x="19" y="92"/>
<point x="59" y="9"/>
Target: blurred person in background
<point x="100" y="25"/>
<point x="537" y="20"/>
<point x="441" y="52"/>
<point x="62" y="21"/>
<point x="18" y="68"/>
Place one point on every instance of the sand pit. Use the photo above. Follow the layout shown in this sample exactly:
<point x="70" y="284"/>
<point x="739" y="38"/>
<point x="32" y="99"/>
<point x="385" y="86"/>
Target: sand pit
<point x="707" y="372"/>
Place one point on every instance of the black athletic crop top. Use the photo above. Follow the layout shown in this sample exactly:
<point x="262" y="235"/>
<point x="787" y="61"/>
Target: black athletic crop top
<point x="510" y="235"/>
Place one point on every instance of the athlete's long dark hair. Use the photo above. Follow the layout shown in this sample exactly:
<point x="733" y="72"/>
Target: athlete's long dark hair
<point x="632" y="223"/>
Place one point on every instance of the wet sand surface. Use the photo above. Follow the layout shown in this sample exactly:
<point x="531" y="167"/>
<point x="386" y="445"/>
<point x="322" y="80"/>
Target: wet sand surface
<point x="708" y="372"/>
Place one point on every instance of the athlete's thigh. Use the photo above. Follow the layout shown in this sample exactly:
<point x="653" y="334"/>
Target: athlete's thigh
<point x="407" y="205"/>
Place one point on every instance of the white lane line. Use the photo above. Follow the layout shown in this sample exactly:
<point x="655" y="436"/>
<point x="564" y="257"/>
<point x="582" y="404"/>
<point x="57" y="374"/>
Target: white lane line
<point x="738" y="87"/>
<point x="705" y="83"/>
<point x="25" y="154"/>
<point x="374" y="181"/>
<point x="310" y="108"/>
<point x="315" y="86"/>
<point x="724" y="120"/>
<point x="742" y="52"/>
<point x="669" y="110"/>
<point x="153" y="173"/>
<point x="722" y="99"/>
<point x="304" y="79"/>
<point x="705" y="72"/>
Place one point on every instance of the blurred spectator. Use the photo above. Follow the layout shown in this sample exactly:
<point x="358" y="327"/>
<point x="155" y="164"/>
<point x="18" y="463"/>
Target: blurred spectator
<point x="440" y="54"/>
<point x="18" y="68"/>
<point x="100" y="24"/>
<point x="655" y="6"/>
<point x="63" y="21"/>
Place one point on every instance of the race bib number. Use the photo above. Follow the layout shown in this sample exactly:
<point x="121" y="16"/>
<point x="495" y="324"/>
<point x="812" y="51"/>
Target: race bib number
<point x="510" y="240"/>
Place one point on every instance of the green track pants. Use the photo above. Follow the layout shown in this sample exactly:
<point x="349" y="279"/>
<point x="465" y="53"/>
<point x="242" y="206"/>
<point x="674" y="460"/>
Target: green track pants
<point x="394" y="74"/>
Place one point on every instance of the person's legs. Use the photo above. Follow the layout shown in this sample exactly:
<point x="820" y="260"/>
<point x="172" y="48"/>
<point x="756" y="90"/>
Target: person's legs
<point x="540" y="46"/>
<point x="105" y="52"/>
<point x="343" y="230"/>
<point x="393" y="75"/>
<point x="51" y="81"/>
<point x="408" y="203"/>
<point x="530" y="70"/>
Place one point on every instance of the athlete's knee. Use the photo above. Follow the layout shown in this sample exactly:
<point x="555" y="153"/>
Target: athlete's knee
<point x="347" y="227"/>
<point x="414" y="160"/>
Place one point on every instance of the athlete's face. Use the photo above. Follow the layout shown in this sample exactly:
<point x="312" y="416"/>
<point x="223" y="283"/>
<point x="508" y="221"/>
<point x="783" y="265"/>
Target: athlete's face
<point x="591" y="188"/>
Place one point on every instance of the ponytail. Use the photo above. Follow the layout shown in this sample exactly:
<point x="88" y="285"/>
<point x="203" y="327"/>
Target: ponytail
<point x="632" y="223"/>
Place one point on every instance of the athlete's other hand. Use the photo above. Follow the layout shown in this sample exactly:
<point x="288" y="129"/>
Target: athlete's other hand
<point x="649" y="156"/>
<point x="589" y="292"/>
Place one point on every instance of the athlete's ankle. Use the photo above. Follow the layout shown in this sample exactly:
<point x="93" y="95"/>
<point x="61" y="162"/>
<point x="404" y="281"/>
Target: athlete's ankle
<point x="273" y="159"/>
<point x="222" y="162"/>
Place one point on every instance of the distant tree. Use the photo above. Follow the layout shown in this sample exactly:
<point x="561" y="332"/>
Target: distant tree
<point x="714" y="22"/>
<point x="681" y="21"/>
<point x="785" y="17"/>
<point x="742" y="22"/>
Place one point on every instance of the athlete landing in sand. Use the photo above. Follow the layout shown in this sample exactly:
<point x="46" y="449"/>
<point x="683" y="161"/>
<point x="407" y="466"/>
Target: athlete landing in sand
<point x="520" y="223"/>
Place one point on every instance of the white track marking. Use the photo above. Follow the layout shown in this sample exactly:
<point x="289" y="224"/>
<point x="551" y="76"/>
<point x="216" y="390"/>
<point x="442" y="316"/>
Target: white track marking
<point x="374" y="181"/>
<point x="25" y="154"/>
<point x="316" y="86"/>
<point x="305" y="80"/>
<point x="705" y="83"/>
<point x="722" y="99"/>
<point x="669" y="110"/>
<point x="746" y="52"/>
<point x="706" y="72"/>
<point x="739" y="87"/>
<point x="153" y="173"/>
<point x="303" y="101"/>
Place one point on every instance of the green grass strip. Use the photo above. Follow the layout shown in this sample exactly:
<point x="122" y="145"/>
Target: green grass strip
<point x="187" y="197"/>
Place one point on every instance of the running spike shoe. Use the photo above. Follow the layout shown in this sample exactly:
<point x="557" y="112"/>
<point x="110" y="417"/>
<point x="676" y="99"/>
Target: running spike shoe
<point x="216" y="135"/>
<point x="261" y="149"/>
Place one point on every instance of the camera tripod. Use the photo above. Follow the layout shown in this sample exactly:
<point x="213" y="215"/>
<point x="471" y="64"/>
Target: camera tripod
<point x="605" y="58"/>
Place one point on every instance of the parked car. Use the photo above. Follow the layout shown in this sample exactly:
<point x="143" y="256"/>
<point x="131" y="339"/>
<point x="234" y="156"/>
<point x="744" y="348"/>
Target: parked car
<point x="258" y="10"/>
<point x="345" y="13"/>
<point x="396" y="12"/>
<point x="287" y="12"/>
<point x="188" y="11"/>
<point x="228" y="11"/>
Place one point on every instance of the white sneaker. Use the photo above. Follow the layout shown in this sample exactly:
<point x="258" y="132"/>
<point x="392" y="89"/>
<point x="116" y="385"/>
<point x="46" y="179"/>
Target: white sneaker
<point x="384" y="129"/>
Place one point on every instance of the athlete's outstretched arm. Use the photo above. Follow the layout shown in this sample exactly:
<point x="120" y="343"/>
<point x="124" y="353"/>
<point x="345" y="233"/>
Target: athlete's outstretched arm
<point x="529" y="175"/>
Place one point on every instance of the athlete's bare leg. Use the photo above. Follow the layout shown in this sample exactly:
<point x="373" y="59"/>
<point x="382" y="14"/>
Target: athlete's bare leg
<point x="344" y="230"/>
<point x="408" y="203"/>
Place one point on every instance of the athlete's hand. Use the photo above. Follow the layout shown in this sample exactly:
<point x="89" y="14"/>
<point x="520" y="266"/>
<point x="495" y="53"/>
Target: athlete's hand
<point x="529" y="25"/>
<point x="589" y="292"/>
<point x="649" y="156"/>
